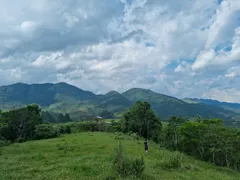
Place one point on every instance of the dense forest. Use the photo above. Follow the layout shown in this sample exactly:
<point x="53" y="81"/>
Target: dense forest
<point x="205" y="139"/>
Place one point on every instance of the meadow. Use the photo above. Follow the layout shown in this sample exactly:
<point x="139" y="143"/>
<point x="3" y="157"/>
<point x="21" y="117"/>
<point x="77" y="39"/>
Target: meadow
<point x="89" y="156"/>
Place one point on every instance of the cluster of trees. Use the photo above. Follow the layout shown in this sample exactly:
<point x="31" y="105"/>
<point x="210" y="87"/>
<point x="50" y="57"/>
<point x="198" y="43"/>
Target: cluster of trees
<point x="55" y="117"/>
<point x="19" y="124"/>
<point x="206" y="139"/>
<point x="45" y="131"/>
<point x="96" y="125"/>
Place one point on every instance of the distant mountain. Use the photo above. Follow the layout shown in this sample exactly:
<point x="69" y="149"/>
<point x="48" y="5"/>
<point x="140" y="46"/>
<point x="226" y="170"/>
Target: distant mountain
<point x="42" y="94"/>
<point x="81" y="104"/>
<point x="138" y="94"/>
<point x="230" y="106"/>
<point x="114" y="102"/>
<point x="166" y="106"/>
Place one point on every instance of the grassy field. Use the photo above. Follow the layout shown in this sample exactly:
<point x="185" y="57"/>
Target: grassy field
<point x="89" y="156"/>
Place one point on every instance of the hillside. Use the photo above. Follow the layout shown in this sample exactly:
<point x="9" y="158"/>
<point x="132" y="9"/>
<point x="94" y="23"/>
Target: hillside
<point x="114" y="102"/>
<point x="230" y="106"/>
<point x="83" y="105"/>
<point x="166" y="106"/>
<point x="42" y="94"/>
<point x="89" y="156"/>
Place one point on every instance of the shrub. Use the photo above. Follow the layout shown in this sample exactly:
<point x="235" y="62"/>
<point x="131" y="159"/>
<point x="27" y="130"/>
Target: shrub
<point x="20" y="140"/>
<point x="125" y="166"/>
<point x="3" y="141"/>
<point x="45" y="131"/>
<point x="138" y="166"/>
<point x="64" y="129"/>
<point x="4" y="132"/>
<point x="189" y="167"/>
<point x="135" y="136"/>
<point x="172" y="162"/>
<point x="121" y="162"/>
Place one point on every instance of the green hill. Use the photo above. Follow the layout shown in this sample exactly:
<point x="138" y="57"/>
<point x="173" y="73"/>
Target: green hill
<point x="42" y="94"/>
<point x="83" y="105"/>
<point x="229" y="106"/>
<point x="166" y="106"/>
<point x="114" y="102"/>
<point x="89" y="156"/>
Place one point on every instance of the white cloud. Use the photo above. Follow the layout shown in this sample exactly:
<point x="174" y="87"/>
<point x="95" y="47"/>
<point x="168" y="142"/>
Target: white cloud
<point x="203" y="59"/>
<point x="231" y="75"/>
<point x="225" y="21"/>
<point x="44" y="61"/>
<point x="70" y="20"/>
<point x="211" y="57"/>
<point x="225" y="28"/>
<point x="229" y="95"/>
<point x="28" y="26"/>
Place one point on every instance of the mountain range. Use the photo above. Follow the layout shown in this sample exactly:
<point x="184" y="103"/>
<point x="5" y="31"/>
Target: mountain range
<point x="82" y="105"/>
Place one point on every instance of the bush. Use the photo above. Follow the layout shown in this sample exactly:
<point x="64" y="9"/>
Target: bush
<point x="3" y="141"/>
<point x="135" y="136"/>
<point x="45" y="131"/>
<point x="125" y="166"/>
<point x="121" y="163"/>
<point x="20" y="140"/>
<point x="64" y="129"/>
<point x="172" y="162"/>
<point x="4" y="132"/>
<point x="138" y="166"/>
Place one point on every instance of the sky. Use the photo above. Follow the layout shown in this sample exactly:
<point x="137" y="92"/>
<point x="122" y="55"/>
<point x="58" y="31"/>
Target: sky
<point x="186" y="48"/>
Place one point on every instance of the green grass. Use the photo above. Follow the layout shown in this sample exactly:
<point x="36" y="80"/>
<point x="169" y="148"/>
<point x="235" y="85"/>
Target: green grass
<point x="89" y="156"/>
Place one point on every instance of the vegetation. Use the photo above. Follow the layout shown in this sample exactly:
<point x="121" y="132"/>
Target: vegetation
<point x="208" y="140"/>
<point x="124" y="166"/>
<point x="62" y="98"/>
<point x="204" y="139"/>
<point x="141" y="119"/>
<point x="45" y="131"/>
<point x="230" y="106"/>
<point x="52" y="117"/>
<point x="89" y="156"/>
<point x="19" y="125"/>
<point x="24" y="124"/>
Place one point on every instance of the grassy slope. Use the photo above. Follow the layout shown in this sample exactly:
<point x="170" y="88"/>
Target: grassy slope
<point x="88" y="156"/>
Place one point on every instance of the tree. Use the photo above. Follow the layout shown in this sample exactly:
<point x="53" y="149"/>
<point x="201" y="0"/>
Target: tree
<point x="47" y="117"/>
<point x="60" y="117"/>
<point x="67" y="118"/>
<point x="141" y="119"/>
<point x="172" y="133"/>
<point x="20" y="123"/>
<point x="193" y="138"/>
<point x="236" y="122"/>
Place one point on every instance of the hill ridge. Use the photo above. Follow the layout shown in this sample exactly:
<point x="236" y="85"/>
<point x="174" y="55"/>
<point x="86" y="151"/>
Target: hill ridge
<point x="81" y="103"/>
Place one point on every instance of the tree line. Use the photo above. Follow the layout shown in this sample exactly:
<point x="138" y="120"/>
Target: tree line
<point x="52" y="117"/>
<point x="206" y="139"/>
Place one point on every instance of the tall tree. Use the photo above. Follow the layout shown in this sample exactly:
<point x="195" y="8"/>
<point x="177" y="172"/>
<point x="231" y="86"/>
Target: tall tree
<point x="141" y="119"/>
<point x="172" y="133"/>
<point x="20" y="123"/>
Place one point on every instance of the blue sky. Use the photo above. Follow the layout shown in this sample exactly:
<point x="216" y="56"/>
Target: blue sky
<point x="179" y="48"/>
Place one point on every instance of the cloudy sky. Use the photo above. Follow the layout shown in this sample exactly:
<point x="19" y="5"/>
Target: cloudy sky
<point x="187" y="48"/>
